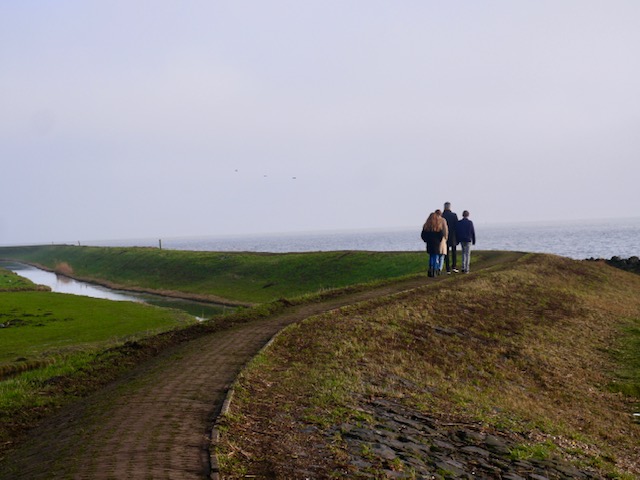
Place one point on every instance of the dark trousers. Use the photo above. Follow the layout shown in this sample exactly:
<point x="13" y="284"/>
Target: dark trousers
<point x="453" y="253"/>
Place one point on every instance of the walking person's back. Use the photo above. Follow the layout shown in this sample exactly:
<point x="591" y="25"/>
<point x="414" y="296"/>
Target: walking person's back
<point x="466" y="235"/>
<point x="451" y="260"/>
<point x="432" y="235"/>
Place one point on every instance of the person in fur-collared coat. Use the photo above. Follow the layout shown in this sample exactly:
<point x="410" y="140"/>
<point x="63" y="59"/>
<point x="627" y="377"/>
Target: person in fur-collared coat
<point x="434" y="234"/>
<point x="445" y="239"/>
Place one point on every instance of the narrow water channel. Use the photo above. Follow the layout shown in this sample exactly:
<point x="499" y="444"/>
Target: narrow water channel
<point x="62" y="284"/>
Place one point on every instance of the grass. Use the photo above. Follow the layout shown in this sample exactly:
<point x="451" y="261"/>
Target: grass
<point x="628" y="355"/>
<point x="240" y="277"/>
<point x="11" y="282"/>
<point x="530" y="351"/>
<point x="539" y="451"/>
<point x="47" y="339"/>
<point x="42" y="324"/>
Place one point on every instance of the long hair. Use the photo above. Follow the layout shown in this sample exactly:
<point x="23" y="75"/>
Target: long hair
<point x="433" y="223"/>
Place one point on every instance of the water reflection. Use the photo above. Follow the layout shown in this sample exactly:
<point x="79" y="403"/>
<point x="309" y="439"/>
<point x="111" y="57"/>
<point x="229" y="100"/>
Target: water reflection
<point x="62" y="284"/>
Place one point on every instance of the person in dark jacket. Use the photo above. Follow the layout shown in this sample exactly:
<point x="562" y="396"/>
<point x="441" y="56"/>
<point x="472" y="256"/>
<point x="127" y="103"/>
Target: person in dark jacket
<point x="466" y="235"/>
<point x="452" y="241"/>
<point x="433" y="231"/>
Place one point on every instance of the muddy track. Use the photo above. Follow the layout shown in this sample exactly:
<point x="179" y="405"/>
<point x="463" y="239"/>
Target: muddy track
<point x="155" y="422"/>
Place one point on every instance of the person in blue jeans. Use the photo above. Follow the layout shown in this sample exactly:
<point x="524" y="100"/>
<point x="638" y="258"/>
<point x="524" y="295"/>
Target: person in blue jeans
<point x="433" y="232"/>
<point x="466" y="236"/>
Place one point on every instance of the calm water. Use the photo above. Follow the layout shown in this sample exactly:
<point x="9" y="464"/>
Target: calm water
<point x="578" y="240"/>
<point x="61" y="284"/>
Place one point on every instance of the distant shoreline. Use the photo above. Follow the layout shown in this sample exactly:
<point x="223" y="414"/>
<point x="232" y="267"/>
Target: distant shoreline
<point x="573" y="239"/>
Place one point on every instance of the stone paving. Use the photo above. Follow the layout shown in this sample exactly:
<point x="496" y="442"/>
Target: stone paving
<point x="406" y="444"/>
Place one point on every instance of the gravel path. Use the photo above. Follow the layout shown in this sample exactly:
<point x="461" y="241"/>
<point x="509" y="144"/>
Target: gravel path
<point x="155" y="423"/>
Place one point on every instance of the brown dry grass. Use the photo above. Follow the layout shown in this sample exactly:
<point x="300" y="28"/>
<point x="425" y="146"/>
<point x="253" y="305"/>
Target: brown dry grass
<point x="526" y="350"/>
<point x="63" y="268"/>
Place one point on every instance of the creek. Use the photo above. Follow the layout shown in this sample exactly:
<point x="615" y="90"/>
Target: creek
<point x="62" y="284"/>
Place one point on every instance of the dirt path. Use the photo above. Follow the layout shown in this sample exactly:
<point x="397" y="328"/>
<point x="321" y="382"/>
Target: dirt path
<point x="155" y="422"/>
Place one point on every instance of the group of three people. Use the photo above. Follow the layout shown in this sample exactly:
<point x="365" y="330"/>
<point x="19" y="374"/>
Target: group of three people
<point x="442" y="232"/>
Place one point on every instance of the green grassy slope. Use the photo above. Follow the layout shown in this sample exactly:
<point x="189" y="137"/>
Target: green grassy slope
<point x="244" y="277"/>
<point x="12" y="282"/>
<point x="41" y="324"/>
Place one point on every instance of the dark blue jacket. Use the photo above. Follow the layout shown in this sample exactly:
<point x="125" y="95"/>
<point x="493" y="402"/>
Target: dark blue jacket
<point x="452" y="221"/>
<point x="465" y="231"/>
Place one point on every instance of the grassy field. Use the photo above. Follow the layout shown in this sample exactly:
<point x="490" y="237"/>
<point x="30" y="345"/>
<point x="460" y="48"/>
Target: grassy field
<point x="241" y="277"/>
<point x="544" y="352"/>
<point x="11" y="282"/>
<point x="42" y="324"/>
<point x="46" y="337"/>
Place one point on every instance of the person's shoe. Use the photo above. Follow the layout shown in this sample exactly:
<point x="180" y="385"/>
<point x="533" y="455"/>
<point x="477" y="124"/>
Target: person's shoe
<point x="455" y="270"/>
<point x="430" y="274"/>
<point x="448" y="272"/>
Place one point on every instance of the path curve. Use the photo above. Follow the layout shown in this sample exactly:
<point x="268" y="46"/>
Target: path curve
<point x="155" y="422"/>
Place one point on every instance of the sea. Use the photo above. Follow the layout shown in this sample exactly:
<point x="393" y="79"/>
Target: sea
<point x="574" y="239"/>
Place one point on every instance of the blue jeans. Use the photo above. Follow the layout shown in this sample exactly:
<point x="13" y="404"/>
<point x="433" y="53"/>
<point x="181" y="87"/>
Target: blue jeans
<point x="466" y="255"/>
<point x="434" y="261"/>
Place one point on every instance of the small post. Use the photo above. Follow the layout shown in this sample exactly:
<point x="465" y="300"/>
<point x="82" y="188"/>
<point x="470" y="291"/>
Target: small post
<point x="160" y="243"/>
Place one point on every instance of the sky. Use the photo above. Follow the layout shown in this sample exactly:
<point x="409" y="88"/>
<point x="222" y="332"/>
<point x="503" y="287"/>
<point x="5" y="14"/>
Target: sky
<point x="154" y="118"/>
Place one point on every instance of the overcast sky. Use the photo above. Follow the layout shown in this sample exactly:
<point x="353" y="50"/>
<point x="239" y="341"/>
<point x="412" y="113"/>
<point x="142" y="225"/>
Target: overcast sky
<point x="134" y="119"/>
